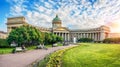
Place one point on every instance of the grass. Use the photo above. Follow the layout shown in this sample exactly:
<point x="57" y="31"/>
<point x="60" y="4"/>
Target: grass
<point x="31" y="48"/>
<point x="9" y="50"/>
<point x="53" y="60"/>
<point x="5" y="50"/>
<point x="92" y="55"/>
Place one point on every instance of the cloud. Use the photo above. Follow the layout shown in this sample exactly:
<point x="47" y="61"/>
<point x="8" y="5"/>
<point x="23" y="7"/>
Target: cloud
<point x="75" y="14"/>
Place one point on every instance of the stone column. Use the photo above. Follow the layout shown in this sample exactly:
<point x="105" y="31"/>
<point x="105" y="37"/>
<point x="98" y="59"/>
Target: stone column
<point x="82" y="35"/>
<point x="99" y="36"/>
<point x="87" y="35"/>
<point x="77" y="36"/>
<point x="96" y="36"/>
<point x="65" y="37"/>
<point x="68" y="36"/>
<point x="90" y="35"/>
<point x="102" y="37"/>
<point x="93" y="36"/>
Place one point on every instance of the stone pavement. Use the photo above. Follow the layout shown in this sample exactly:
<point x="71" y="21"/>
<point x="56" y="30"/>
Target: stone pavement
<point x="24" y="59"/>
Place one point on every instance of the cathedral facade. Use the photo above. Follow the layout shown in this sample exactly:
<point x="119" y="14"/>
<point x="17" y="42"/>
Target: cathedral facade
<point x="97" y="34"/>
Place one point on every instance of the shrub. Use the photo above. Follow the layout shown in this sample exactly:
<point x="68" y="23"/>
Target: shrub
<point x="55" y="58"/>
<point x="85" y="40"/>
<point x="3" y="43"/>
<point x="111" y="40"/>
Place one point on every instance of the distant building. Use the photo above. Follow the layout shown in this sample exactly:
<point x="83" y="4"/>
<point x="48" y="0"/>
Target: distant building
<point x="98" y="34"/>
<point x="15" y="22"/>
<point x="3" y="35"/>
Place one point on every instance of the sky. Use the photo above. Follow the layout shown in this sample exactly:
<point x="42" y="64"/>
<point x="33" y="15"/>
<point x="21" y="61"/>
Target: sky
<point x="75" y="14"/>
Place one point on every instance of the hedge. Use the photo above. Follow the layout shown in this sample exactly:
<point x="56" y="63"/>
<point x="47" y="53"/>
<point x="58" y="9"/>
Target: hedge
<point x="3" y="43"/>
<point x="85" y="40"/>
<point x="111" y="40"/>
<point x="55" y="58"/>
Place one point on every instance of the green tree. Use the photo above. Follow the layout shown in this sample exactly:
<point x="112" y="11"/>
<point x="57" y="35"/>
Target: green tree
<point x="59" y="39"/>
<point x="25" y="35"/>
<point x="28" y="35"/>
<point x="48" y="38"/>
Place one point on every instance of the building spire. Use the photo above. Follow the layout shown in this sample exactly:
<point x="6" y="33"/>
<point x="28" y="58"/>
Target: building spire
<point x="56" y="15"/>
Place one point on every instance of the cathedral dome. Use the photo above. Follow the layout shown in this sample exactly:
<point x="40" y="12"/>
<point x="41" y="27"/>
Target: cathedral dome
<point x="56" y="19"/>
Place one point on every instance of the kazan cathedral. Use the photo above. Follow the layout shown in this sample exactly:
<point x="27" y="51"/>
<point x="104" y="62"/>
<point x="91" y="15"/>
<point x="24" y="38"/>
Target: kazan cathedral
<point x="97" y="34"/>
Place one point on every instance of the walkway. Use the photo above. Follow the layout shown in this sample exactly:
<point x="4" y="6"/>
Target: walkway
<point x="25" y="59"/>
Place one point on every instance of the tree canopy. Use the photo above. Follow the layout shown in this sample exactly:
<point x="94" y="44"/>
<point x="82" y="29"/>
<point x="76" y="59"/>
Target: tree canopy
<point x="28" y="35"/>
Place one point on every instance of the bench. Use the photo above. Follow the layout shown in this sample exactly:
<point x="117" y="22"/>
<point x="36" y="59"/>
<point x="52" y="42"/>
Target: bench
<point x="18" y="49"/>
<point x="41" y="47"/>
<point x="55" y="45"/>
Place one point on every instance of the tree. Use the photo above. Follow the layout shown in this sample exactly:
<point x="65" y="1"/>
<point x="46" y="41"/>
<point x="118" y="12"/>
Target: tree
<point x="28" y="35"/>
<point x="25" y="35"/>
<point x="48" y="38"/>
<point x="59" y="39"/>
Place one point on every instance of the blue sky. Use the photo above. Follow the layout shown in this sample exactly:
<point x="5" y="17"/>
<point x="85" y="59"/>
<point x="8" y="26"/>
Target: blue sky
<point x="4" y="9"/>
<point x="75" y="14"/>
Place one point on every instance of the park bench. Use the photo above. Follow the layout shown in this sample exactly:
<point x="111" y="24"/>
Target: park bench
<point x="55" y="45"/>
<point x="18" y="49"/>
<point x="41" y="47"/>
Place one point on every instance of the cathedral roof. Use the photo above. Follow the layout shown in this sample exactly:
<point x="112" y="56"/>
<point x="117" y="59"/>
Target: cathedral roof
<point x="56" y="19"/>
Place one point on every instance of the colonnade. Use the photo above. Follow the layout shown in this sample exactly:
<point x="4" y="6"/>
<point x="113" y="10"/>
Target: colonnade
<point x="64" y="35"/>
<point x="68" y="36"/>
<point x="96" y="36"/>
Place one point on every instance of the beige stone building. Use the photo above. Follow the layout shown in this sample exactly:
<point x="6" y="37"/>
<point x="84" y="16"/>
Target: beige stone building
<point x="98" y="34"/>
<point x="15" y="22"/>
<point x="3" y="35"/>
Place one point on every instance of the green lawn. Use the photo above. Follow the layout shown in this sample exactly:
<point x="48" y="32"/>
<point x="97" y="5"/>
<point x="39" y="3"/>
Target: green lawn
<point x="9" y="50"/>
<point x="5" y="50"/>
<point x="92" y="55"/>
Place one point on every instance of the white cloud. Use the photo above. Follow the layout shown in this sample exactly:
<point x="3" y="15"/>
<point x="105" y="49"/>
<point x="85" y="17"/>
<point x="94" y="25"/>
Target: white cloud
<point x="73" y="13"/>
